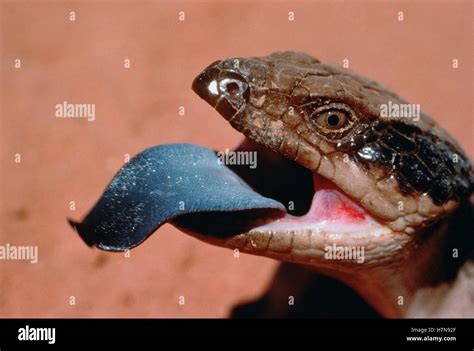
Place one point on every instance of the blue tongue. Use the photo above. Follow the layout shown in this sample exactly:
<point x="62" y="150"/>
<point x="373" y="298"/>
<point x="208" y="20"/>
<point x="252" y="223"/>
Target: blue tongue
<point x="183" y="184"/>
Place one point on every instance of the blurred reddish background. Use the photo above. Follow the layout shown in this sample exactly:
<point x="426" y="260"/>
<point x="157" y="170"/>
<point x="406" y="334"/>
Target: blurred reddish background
<point x="67" y="160"/>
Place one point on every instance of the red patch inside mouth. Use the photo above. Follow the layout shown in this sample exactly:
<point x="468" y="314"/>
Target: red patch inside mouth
<point x="332" y="212"/>
<point x="330" y="203"/>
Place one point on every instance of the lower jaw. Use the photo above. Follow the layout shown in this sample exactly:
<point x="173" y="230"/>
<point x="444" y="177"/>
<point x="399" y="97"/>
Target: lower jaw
<point x="334" y="225"/>
<point x="334" y="221"/>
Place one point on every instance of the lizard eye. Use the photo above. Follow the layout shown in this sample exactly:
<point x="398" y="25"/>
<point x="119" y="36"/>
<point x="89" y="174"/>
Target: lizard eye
<point x="334" y="119"/>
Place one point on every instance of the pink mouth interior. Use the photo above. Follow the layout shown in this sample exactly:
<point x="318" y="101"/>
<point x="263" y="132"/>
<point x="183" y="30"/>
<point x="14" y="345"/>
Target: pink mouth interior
<point x="331" y="212"/>
<point x="330" y="203"/>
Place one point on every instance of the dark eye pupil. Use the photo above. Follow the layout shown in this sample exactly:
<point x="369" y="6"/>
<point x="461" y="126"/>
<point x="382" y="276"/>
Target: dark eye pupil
<point x="232" y="87"/>
<point x="333" y="120"/>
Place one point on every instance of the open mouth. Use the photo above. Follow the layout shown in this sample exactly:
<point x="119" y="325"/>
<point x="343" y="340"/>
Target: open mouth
<point x="314" y="204"/>
<point x="332" y="213"/>
<point x="318" y="212"/>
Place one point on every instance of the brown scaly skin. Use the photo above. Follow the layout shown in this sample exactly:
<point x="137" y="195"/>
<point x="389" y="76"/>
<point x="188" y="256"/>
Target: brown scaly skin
<point x="282" y="103"/>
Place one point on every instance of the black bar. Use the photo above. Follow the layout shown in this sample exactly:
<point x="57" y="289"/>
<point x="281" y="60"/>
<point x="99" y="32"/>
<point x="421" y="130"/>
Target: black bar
<point x="317" y="332"/>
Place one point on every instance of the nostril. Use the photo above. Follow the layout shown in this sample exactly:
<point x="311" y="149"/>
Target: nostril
<point x="232" y="87"/>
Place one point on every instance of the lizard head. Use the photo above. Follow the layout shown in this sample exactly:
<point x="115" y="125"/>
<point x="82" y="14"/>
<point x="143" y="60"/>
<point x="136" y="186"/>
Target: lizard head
<point x="379" y="180"/>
